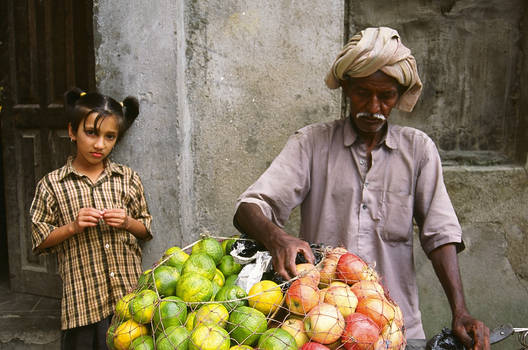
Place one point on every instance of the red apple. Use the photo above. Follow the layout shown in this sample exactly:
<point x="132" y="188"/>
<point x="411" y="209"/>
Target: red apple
<point x="351" y="269"/>
<point x="329" y="265"/>
<point x="361" y="333"/>
<point x="308" y="273"/>
<point x="342" y="297"/>
<point x="393" y="337"/>
<point x="295" y="327"/>
<point x="324" y="324"/>
<point x="314" y="346"/>
<point x="380" y="310"/>
<point x="364" y="289"/>
<point x="301" y="297"/>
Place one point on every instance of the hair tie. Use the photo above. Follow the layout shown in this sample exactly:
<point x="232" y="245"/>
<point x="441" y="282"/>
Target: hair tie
<point x="83" y="93"/>
<point x="121" y="103"/>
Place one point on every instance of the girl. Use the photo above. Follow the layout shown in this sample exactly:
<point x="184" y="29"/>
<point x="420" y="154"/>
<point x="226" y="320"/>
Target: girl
<point x="91" y="213"/>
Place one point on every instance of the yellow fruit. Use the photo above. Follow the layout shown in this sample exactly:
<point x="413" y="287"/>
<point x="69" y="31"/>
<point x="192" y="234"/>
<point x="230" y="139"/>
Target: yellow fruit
<point x="211" y="314"/>
<point x="127" y="332"/>
<point x="189" y="322"/>
<point x="295" y="327"/>
<point x="265" y="296"/>
<point x="219" y="278"/>
<point x="241" y="347"/>
<point x="122" y="312"/>
<point x="209" y="338"/>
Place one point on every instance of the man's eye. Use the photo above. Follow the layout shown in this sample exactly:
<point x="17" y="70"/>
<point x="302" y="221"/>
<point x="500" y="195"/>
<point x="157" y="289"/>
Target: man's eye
<point x="388" y="95"/>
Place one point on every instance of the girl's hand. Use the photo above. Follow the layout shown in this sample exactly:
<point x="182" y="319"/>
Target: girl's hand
<point x="116" y="218"/>
<point x="87" y="217"/>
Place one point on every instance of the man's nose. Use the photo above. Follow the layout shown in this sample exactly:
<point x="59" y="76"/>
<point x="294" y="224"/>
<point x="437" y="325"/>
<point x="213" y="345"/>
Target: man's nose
<point x="373" y="105"/>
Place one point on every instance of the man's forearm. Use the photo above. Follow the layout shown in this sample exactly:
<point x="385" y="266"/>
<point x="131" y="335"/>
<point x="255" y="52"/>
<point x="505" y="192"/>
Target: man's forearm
<point x="445" y="264"/>
<point x="250" y="220"/>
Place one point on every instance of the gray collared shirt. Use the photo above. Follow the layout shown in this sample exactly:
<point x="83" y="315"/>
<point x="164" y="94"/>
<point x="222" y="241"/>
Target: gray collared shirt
<point x="324" y="169"/>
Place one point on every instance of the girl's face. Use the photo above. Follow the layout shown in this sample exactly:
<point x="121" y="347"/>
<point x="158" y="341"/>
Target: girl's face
<point x="93" y="146"/>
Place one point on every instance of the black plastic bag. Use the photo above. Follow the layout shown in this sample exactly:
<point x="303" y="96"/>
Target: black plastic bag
<point x="445" y="341"/>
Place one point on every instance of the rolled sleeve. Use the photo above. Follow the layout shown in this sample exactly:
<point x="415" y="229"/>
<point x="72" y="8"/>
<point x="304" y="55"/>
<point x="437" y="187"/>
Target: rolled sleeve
<point x="43" y="218"/>
<point x="284" y="185"/>
<point x="434" y="213"/>
<point x="139" y="209"/>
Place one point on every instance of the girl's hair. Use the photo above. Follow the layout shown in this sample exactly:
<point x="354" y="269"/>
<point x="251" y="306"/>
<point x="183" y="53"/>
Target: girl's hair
<point x="78" y="105"/>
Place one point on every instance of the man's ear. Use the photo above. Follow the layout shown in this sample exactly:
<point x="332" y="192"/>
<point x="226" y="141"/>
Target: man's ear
<point x="71" y="134"/>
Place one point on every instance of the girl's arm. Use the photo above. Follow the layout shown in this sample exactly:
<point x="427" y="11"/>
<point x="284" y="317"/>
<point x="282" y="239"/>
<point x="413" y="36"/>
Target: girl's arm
<point x="87" y="217"/>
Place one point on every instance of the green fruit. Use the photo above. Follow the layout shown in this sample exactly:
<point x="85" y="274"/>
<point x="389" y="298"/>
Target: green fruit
<point x="227" y="245"/>
<point x="277" y="339"/>
<point x="142" y="306"/>
<point x="171" y="311"/>
<point x="166" y="278"/>
<point x="229" y="295"/>
<point x="228" y="266"/>
<point x="209" y="246"/>
<point x="174" y="338"/>
<point x="231" y="280"/>
<point x="110" y="335"/>
<point x="144" y="342"/>
<point x="209" y="338"/>
<point x="192" y="287"/>
<point x="176" y="257"/>
<point x="200" y="263"/>
<point x="145" y="281"/>
<point x="246" y="324"/>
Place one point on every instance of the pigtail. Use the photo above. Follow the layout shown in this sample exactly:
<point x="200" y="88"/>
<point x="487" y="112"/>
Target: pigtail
<point x="71" y="96"/>
<point x="130" y="109"/>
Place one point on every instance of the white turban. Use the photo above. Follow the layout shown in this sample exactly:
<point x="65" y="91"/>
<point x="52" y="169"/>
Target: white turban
<point x="376" y="49"/>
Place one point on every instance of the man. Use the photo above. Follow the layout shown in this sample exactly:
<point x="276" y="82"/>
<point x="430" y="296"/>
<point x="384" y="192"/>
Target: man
<point x="360" y="182"/>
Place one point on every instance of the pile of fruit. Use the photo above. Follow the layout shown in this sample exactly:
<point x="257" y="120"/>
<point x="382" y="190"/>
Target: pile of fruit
<point x="190" y="300"/>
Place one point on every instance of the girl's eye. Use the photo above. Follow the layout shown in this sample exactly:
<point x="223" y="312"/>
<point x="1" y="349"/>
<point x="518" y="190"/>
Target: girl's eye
<point x="110" y="137"/>
<point x="89" y="132"/>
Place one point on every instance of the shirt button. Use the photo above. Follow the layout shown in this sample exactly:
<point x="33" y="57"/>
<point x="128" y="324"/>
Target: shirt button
<point x="107" y="245"/>
<point x="366" y="184"/>
<point x="111" y="274"/>
<point x="364" y="206"/>
<point x="362" y="162"/>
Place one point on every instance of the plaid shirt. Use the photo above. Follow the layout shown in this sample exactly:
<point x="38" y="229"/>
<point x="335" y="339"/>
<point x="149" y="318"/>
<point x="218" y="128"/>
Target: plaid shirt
<point x="103" y="263"/>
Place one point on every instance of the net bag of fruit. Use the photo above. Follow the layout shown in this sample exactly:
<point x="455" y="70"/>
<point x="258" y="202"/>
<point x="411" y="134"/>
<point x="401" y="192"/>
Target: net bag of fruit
<point x="190" y="299"/>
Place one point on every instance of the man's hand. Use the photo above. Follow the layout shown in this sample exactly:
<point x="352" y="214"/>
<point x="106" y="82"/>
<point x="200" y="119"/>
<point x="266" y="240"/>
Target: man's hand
<point x="473" y="333"/>
<point x="116" y="218"/>
<point x="87" y="217"/>
<point x="284" y="249"/>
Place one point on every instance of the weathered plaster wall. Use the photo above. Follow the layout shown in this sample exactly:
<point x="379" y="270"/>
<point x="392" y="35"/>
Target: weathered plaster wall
<point x="138" y="45"/>
<point x="223" y="84"/>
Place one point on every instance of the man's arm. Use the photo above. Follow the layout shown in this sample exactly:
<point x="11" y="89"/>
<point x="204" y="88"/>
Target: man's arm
<point x="468" y="329"/>
<point x="249" y="219"/>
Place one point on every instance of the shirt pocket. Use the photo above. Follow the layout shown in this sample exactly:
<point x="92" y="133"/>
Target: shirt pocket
<point x="397" y="209"/>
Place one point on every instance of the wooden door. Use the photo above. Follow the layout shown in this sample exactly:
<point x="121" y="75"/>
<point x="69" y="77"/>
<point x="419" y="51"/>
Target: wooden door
<point x="50" y="44"/>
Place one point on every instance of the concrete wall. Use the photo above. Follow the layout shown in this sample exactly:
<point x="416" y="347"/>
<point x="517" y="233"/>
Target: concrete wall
<point x="223" y="84"/>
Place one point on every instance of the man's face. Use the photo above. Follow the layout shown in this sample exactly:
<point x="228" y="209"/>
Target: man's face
<point x="371" y="100"/>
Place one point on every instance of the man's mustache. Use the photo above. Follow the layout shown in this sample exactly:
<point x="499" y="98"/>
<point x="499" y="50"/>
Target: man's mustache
<point x="371" y="115"/>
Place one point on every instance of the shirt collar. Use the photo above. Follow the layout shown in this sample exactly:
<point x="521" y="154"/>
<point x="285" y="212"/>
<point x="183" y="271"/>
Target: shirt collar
<point x="110" y="168"/>
<point x="390" y="139"/>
